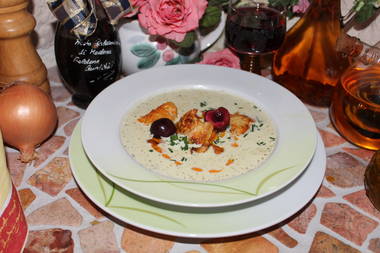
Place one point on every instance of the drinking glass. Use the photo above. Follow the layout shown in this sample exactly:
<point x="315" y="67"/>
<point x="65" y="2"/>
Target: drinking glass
<point x="355" y="107"/>
<point x="254" y="29"/>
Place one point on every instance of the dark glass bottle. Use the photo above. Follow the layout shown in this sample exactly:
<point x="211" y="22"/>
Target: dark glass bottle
<point x="89" y="65"/>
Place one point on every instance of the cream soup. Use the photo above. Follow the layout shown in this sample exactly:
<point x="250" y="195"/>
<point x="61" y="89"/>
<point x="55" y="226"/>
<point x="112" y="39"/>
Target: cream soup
<point x="240" y="155"/>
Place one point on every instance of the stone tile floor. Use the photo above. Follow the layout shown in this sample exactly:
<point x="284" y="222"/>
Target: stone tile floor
<point x="61" y="219"/>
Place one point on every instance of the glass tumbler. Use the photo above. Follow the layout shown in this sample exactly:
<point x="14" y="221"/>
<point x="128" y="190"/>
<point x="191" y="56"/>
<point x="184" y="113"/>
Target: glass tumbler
<point x="355" y="107"/>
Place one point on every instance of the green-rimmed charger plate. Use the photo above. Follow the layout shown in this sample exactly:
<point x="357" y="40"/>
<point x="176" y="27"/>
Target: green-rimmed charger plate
<point x="194" y="222"/>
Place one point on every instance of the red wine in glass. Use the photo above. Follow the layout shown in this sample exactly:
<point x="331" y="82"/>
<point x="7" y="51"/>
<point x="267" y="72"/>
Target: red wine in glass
<point x="252" y="31"/>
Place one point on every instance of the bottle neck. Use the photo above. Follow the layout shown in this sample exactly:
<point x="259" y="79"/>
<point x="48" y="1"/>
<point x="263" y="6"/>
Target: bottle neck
<point x="332" y="7"/>
<point x="370" y="55"/>
<point x="99" y="10"/>
<point x="358" y="50"/>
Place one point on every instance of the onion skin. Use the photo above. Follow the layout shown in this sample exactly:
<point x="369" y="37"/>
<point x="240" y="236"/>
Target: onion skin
<point x="27" y="118"/>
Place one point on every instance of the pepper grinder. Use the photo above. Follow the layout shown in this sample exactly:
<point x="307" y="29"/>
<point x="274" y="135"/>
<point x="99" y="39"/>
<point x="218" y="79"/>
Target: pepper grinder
<point x="19" y="58"/>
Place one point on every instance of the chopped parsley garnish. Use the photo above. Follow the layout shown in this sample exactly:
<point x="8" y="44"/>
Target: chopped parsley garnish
<point x="171" y="150"/>
<point x="183" y="159"/>
<point x="173" y="139"/>
<point x="257" y="108"/>
<point x="272" y="138"/>
<point x="257" y="125"/>
<point x="218" y="141"/>
<point x="203" y="104"/>
<point x="186" y="143"/>
<point x="178" y="140"/>
<point x="254" y="126"/>
<point x="150" y="150"/>
<point x="261" y="143"/>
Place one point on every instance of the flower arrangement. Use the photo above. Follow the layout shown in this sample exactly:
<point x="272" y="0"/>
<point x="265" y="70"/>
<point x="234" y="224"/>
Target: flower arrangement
<point x="177" y="20"/>
<point x="361" y="11"/>
<point x="223" y="57"/>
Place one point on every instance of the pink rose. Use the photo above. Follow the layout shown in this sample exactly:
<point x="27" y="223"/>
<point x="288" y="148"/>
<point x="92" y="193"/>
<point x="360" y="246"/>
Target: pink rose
<point x="168" y="55"/>
<point x="171" y="19"/>
<point x="301" y="6"/>
<point x="161" y="45"/>
<point x="224" y="57"/>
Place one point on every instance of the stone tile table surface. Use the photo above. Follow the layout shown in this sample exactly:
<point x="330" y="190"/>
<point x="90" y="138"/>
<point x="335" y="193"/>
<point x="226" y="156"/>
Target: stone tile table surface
<point x="340" y="218"/>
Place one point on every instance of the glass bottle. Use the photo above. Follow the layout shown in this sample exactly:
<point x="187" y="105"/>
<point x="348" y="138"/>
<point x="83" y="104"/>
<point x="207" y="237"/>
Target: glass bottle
<point x="372" y="180"/>
<point x="307" y="63"/>
<point x="88" y="65"/>
<point x="357" y="50"/>
<point x="13" y="228"/>
<point x="355" y="106"/>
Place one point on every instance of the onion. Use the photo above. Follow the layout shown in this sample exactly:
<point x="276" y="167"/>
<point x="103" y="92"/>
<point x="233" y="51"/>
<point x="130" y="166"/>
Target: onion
<point x="27" y="118"/>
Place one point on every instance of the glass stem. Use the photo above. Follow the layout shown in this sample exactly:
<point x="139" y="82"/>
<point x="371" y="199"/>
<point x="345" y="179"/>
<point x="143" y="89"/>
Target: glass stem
<point x="251" y="63"/>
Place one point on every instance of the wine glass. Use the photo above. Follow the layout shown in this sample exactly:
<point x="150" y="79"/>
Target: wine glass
<point x="254" y="29"/>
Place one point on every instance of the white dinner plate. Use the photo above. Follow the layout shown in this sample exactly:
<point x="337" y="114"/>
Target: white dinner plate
<point x="195" y="222"/>
<point x="296" y="139"/>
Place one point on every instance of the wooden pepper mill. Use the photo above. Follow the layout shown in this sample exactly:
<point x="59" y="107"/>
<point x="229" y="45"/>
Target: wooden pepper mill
<point x="19" y="60"/>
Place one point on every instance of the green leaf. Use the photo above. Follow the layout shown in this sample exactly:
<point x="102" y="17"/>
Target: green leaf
<point x="211" y="17"/>
<point x="150" y="61"/>
<point x="286" y="5"/>
<point x="187" y="41"/>
<point x="143" y="50"/>
<point x="217" y="2"/>
<point x="282" y="3"/>
<point x="365" y="13"/>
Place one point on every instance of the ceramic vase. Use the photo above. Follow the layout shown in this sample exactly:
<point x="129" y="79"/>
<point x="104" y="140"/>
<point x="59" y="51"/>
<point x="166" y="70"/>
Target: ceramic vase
<point x="140" y="51"/>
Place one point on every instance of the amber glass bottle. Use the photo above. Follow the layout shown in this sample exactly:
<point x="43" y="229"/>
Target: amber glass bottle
<point x="307" y="63"/>
<point x="355" y="106"/>
<point x="372" y="180"/>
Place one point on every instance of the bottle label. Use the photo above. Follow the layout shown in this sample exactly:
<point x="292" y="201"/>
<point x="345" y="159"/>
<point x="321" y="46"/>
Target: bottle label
<point x="13" y="226"/>
<point x="92" y="55"/>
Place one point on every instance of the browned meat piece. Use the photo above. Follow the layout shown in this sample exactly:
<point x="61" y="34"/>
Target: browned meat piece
<point x="188" y="121"/>
<point x="217" y="149"/>
<point x="191" y="125"/>
<point x="196" y="130"/>
<point x="200" y="149"/>
<point x="166" y="110"/>
<point x="239" y="123"/>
